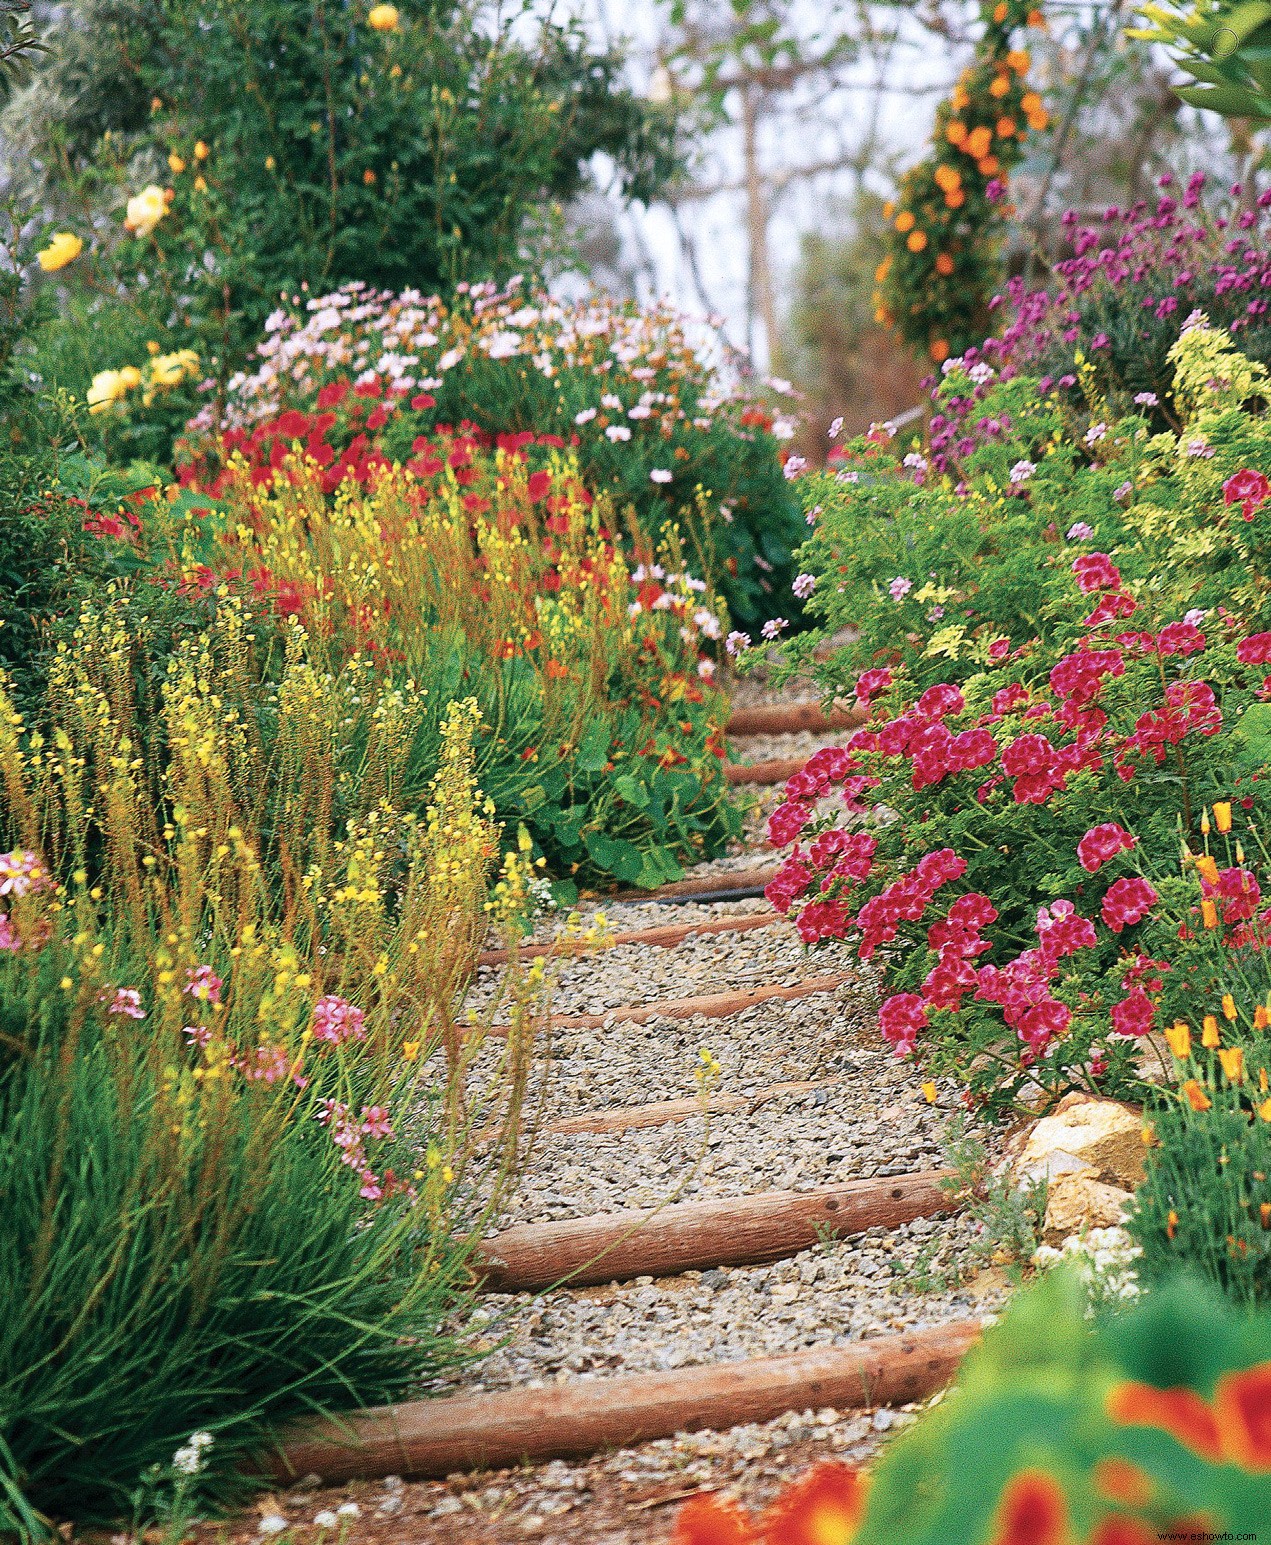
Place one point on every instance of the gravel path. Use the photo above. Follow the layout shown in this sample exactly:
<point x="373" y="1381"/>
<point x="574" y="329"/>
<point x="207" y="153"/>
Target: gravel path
<point x="865" y="1116"/>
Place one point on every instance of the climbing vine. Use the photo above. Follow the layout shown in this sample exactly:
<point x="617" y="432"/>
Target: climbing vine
<point x="945" y="225"/>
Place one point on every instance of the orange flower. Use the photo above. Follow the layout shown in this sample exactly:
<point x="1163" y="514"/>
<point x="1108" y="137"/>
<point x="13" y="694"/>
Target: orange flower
<point x="704" y="1521"/>
<point x="1005" y="128"/>
<point x="1171" y="1224"/>
<point x="956" y="133"/>
<point x="1233" y="1063"/>
<point x="1242" y="1406"/>
<point x="889" y="209"/>
<point x="988" y="166"/>
<point x="1261" y="1019"/>
<point x="1208" y="913"/>
<point x="916" y="241"/>
<point x="1264" y="1214"/>
<point x="1196" y="1096"/>
<point x="999" y="12"/>
<point x="979" y="142"/>
<point x="1222" y="815"/>
<point x="1228" y="1006"/>
<point x="1031" y="102"/>
<point x="944" y="264"/>
<point x="1179" y="1039"/>
<point x="824" y="1507"/>
<point x="905" y="221"/>
<point x="1120" y="1481"/>
<point x="1039" y="120"/>
<point x="938" y="349"/>
<point x="947" y="178"/>
<point x="883" y="269"/>
<point x="1019" y="61"/>
<point x="1181" y="1412"/>
<point x="1206" y="868"/>
<point x="999" y="85"/>
<point x="1032" y="1511"/>
<point x="956" y="199"/>
<point x="961" y="98"/>
<point x="1209" y="1031"/>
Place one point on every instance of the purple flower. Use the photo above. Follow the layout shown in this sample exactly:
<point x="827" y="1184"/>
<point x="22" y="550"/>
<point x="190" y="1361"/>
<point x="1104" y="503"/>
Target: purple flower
<point x="1080" y="532"/>
<point x="1146" y="399"/>
<point x="773" y="627"/>
<point x="900" y="587"/>
<point x="804" y="585"/>
<point x="736" y="642"/>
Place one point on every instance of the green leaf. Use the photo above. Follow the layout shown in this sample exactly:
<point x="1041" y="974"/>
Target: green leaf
<point x="621" y="859"/>
<point x="593" y="749"/>
<point x="632" y="790"/>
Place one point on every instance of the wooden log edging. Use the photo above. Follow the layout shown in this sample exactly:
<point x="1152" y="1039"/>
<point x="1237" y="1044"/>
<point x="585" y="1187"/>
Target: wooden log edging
<point x="664" y="935"/>
<point x="714" y="1005"/>
<point x="732" y="885"/>
<point x="586" y="1416"/>
<point x="690" y="1236"/>
<point x="792" y="719"/>
<point x="778" y="769"/>
<point x="624" y="1118"/>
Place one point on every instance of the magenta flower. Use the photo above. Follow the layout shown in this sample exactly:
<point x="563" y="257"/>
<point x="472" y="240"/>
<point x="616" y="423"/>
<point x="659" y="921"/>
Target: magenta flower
<point x="337" y="1021"/>
<point x="204" y="984"/>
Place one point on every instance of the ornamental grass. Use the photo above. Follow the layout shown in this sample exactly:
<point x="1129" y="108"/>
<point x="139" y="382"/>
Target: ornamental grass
<point x="239" y="1114"/>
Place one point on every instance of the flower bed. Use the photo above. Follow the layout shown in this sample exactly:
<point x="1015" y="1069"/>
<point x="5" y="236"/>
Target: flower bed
<point x="492" y="570"/>
<point x="649" y="420"/>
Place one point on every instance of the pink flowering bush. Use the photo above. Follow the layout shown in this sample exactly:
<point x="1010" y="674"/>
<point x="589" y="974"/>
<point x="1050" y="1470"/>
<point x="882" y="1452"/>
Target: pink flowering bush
<point x="996" y="845"/>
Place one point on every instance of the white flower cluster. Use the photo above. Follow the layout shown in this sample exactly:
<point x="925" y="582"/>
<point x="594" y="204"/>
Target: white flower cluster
<point x="1104" y="1258"/>
<point x="189" y="1459"/>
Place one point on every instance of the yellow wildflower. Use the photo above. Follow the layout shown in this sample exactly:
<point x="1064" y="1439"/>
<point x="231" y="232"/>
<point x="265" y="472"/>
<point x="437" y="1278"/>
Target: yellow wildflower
<point x="1233" y="1063"/>
<point x="1222" y="815"/>
<point x="62" y="249"/>
<point x="145" y="210"/>
<point x="106" y="389"/>
<point x="1179" y="1038"/>
<point x="1209" y="1031"/>
<point x="383" y="18"/>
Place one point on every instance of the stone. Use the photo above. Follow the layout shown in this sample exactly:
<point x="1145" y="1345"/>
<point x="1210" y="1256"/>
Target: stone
<point x="1085" y="1133"/>
<point x="1077" y="1201"/>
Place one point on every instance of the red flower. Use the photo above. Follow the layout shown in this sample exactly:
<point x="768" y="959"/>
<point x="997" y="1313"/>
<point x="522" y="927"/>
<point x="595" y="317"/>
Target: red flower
<point x="1101" y="844"/>
<point x="1242" y="1408"/>
<point x="1134" y="1015"/>
<point x="1181" y="1412"/>
<point x="538" y="485"/>
<point x="707" y="1521"/>
<point x="1254" y="650"/>
<point x="940" y="700"/>
<point x="824" y="1507"/>
<point x="1246" y="488"/>
<point x="1032" y="1511"/>
<point x="870" y="683"/>
<point x="1096" y="571"/>
<point x="1128" y="901"/>
<point x="900" y="1019"/>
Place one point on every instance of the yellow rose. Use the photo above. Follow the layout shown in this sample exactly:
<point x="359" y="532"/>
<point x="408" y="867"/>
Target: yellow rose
<point x="172" y="369"/>
<point x="64" y="248"/>
<point x="384" y="18"/>
<point x="106" y="389"/>
<point x="145" y="210"/>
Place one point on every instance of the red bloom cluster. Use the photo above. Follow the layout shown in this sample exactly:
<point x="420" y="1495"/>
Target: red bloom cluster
<point x="905" y="899"/>
<point x="1096" y="571"/>
<point x="1102" y="844"/>
<point x="1128" y="901"/>
<point x="1247" y="488"/>
<point x="1237" y="894"/>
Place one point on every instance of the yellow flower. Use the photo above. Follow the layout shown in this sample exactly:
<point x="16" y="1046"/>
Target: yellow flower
<point x="200" y="184"/>
<point x="106" y="389"/>
<point x="172" y="369"/>
<point x="64" y="248"/>
<point x="1222" y="815"/>
<point x="929" y="1093"/>
<point x="1264" y="1110"/>
<point x="1196" y="1096"/>
<point x="1261" y="1019"/>
<point x="1179" y="1038"/>
<point x="145" y="210"/>
<point x="130" y="376"/>
<point x="201" y="152"/>
<point x="175" y="164"/>
<point x="1209" y="1032"/>
<point x="1206" y="868"/>
<point x="1208" y="913"/>
<point x="1233" y="1063"/>
<point x="410" y="1051"/>
<point x="1228" y="1006"/>
<point x="384" y="18"/>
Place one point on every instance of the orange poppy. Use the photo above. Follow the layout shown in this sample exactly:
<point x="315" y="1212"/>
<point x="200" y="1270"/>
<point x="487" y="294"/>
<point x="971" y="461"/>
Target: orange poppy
<point x="825" y="1507"/>
<point x="706" y="1521"/>
<point x="1032" y="1511"/>
<point x="1242" y="1406"/>
<point x="1181" y="1412"/>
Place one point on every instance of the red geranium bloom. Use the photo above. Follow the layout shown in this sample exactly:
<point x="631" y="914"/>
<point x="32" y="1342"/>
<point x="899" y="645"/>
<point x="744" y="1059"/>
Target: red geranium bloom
<point x="1254" y="650"/>
<point x="1181" y="1412"/>
<point x="1101" y="844"/>
<point x="1096" y="571"/>
<point x="1246" y="488"/>
<point x="1242" y="1407"/>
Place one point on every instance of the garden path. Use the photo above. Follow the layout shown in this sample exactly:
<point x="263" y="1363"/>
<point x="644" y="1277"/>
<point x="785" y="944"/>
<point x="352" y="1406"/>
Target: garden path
<point x="805" y="1098"/>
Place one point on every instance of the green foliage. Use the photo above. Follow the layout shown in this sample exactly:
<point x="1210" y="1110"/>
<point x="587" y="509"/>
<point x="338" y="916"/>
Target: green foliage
<point x="1058" y="1413"/>
<point x="1224" y="45"/>
<point x="309" y="148"/>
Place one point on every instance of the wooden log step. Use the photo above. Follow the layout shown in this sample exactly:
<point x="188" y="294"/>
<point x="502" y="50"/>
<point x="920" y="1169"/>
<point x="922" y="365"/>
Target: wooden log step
<point x="793" y="718"/>
<point x="664" y="936"/>
<point x="626" y="1118"/>
<point x="731" y="885"/>
<point x="692" y="1236"/>
<point x="777" y="770"/>
<point x="714" y="1005"/>
<point x="587" y="1416"/>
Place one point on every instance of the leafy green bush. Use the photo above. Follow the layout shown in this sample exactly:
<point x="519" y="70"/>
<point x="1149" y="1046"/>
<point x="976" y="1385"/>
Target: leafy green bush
<point x="314" y="145"/>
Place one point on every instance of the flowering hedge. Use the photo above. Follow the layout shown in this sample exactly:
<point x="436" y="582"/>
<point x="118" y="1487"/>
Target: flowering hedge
<point x="1031" y="767"/>
<point x="650" y="420"/>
